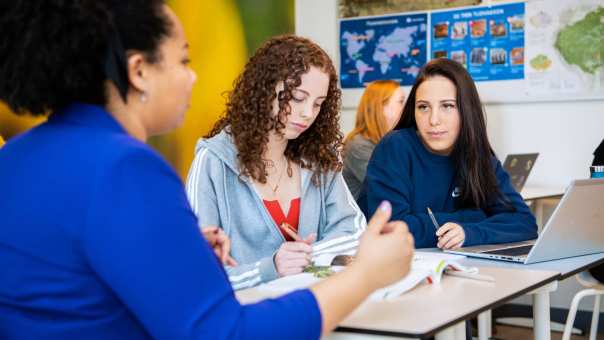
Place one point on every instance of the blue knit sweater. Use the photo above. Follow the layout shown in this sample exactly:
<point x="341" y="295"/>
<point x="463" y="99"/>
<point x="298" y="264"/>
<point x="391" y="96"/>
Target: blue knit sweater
<point x="404" y="172"/>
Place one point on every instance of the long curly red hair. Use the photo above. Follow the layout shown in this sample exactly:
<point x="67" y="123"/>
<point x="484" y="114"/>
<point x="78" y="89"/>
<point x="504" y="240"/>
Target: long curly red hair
<point x="249" y="119"/>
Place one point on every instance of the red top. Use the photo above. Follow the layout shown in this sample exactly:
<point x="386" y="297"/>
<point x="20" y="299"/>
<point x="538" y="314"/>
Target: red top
<point x="293" y="215"/>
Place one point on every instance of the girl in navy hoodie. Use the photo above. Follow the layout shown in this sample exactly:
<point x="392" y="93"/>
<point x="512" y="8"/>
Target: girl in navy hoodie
<point x="439" y="157"/>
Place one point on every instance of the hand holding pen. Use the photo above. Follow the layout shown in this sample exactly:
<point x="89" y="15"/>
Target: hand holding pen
<point x="293" y="257"/>
<point x="450" y="235"/>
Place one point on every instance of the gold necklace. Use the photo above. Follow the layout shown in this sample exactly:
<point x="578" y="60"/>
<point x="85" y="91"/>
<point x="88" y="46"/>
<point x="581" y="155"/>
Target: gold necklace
<point x="289" y="173"/>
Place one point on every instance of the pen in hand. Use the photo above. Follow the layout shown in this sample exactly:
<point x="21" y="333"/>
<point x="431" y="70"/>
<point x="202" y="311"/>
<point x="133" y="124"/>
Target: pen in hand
<point x="290" y="231"/>
<point x="433" y="218"/>
<point x="452" y="235"/>
<point x="436" y="226"/>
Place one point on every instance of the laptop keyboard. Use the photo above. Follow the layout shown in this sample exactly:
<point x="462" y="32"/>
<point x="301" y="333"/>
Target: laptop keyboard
<point x="514" y="251"/>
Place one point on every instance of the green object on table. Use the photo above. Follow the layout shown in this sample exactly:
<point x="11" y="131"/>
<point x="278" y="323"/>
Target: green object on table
<point x="319" y="271"/>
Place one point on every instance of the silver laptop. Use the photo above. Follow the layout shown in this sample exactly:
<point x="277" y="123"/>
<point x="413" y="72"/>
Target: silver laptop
<point x="575" y="228"/>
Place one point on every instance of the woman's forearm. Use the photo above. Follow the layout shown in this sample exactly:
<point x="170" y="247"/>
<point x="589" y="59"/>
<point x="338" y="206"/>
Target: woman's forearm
<point x="339" y="295"/>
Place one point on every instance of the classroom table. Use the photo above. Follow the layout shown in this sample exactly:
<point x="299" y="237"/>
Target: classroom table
<point x="438" y="310"/>
<point x="536" y="192"/>
<point x="565" y="268"/>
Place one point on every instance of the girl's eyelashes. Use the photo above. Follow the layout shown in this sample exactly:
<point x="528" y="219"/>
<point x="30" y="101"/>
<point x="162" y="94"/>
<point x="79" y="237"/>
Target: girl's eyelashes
<point x="449" y="106"/>
<point x="422" y="107"/>
<point x="298" y="97"/>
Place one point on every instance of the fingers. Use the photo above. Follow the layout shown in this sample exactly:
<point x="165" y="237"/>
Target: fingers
<point x="220" y="243"/>
<point x="297" y="247"/>
<point x="445" y="228"/>
<point x="225" y="246"/>
<point x="451" y="235"/>
<point x="292" y="255"/>
<point x="310" y="239"/>
<point x="395" y="225"/>
<point x="457" y="246"/>
<point x="229" y="261"/>
<point x="210" y="228"/>
<point x="380" y="218"/>
<point x="292" y="271"/>
<point x="295" y="263"/>
<point x="451" y="242"/>
<point x="291" y="262"/>
<point x="210" y="234"/>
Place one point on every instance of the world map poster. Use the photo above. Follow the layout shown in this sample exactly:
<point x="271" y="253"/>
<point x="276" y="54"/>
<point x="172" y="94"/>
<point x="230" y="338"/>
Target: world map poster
<point x="386" y="47"/>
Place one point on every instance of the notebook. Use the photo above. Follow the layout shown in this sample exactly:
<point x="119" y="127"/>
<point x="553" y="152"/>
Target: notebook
<point x="519" y="166"/>
<point x="426" y="266"/>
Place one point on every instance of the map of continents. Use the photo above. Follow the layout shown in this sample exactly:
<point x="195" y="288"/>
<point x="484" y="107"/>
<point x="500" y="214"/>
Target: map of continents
<point x="382" y="48"/>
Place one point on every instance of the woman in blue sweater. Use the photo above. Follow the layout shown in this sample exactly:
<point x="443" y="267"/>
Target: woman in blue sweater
<point x="439" y="157"/>
<point x="97" y="238"/>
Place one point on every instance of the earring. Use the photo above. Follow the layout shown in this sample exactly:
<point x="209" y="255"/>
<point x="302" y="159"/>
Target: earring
<point x="143" y="97"/>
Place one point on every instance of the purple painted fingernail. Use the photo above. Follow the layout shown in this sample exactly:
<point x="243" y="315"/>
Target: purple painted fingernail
<point x="385" y="206"/>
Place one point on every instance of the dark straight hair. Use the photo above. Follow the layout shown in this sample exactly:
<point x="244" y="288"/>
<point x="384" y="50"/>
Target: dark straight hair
<point x="472" y="153"/>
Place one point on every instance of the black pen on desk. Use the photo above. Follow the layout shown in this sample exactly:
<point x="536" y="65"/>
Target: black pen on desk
<point x="436" y="226"/>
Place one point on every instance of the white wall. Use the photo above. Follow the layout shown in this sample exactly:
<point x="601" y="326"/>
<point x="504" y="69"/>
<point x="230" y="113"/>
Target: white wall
<point x="564" y="133"/>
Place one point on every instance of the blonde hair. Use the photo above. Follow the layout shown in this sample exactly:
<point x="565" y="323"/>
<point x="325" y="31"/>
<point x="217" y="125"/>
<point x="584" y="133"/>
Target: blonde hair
<point x="370" y="121"/>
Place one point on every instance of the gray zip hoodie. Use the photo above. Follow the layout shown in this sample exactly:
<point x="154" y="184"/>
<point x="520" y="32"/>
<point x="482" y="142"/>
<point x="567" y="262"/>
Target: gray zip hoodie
<point x="220" y="196"/>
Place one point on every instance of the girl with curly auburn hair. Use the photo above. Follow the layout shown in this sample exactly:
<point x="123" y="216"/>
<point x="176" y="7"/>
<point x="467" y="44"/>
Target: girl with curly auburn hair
<point x="269" y="172"/>
<point x="250" y="113"/>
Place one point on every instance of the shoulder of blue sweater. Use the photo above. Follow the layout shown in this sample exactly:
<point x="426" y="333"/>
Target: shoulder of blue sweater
<point x="398" y="135"/>
<point x="398" y="139"/>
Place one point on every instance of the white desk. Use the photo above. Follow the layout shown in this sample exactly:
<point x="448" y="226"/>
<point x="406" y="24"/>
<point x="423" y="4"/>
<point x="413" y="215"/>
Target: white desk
<point x="565" y="267"/>
<point x="541" y="297"/>
<point x="435" y="310"/>
<point x="536" y="192"/>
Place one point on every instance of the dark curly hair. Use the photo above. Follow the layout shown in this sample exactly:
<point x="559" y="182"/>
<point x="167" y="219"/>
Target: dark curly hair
<point x="56" y="52"/>
<point x="249" y="117"/>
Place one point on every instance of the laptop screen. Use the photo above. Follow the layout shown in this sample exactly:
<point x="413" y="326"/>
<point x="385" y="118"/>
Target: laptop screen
<point x="519" y="166"/>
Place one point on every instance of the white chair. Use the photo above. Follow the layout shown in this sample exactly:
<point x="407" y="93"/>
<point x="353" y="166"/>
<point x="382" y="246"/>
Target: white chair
<point x="595" y="288"/>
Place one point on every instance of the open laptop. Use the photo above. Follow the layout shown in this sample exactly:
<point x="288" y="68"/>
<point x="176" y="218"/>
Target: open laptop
<point x="575" y="228"/>
<point x="519" y="166"/>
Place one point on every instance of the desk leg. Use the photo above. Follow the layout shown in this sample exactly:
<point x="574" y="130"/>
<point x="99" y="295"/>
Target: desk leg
<point x="541" y="308"/>
<point x="539" y="214"/>
<point x="460" y="331"/>
<point x="455" y="332"/>
<point x="484" y="325"/>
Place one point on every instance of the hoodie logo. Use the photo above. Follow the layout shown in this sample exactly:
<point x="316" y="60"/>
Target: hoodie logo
<point x="456" y="192"/>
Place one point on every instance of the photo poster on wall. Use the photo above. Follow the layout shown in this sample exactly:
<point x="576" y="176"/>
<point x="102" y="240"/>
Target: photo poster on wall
<point x="488" y="41"/>
<point x="515" y="51"/>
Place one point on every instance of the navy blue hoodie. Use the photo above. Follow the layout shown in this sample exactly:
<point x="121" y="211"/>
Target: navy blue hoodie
<point x="404" y="172"/>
